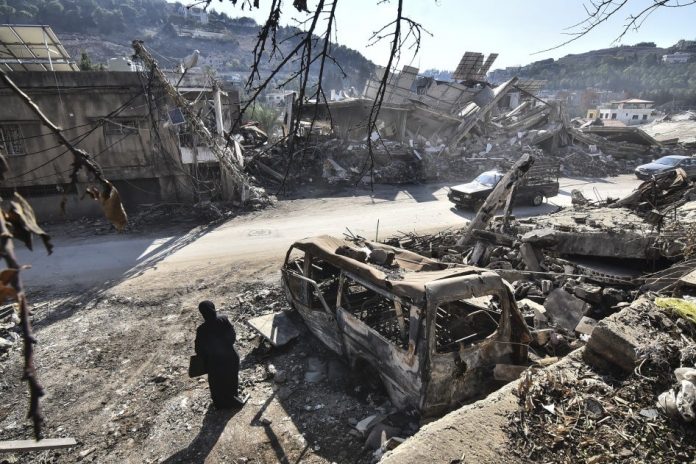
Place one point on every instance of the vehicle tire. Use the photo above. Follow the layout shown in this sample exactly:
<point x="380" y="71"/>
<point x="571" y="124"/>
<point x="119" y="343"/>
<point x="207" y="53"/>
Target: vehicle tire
<point x="537" y="199"/>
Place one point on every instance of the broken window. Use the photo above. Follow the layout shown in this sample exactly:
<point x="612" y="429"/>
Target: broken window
<point x="613" y="115"/>
<point x="12" y="139"/>
<point x="635" y="116"/>
<point x="383" y="314"/>
<point x="121" y="127"/>
<point x="645" y="116"/>
<point x="465" y="321"/>
<point x="310" y="279"/>
<point x="327" y="278"/>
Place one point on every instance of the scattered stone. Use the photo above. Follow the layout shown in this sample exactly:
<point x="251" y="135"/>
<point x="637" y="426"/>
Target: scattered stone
<point x="367" y="423"/>
<point x="613" y="296"/>
<point x="379" y="435"/>
<point x="588" y="292"/>
<point x="565" y="309"/>
<point x="277" y="328"/>
<point x="586" y="325"/>
<point x="540" y="317"/>
<point x="542" y="336"/>
<point x="617" y="341"/>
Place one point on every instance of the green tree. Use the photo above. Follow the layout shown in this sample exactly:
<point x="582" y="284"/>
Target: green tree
<point x="267" y="117"/>
<point x="85" y="62"/>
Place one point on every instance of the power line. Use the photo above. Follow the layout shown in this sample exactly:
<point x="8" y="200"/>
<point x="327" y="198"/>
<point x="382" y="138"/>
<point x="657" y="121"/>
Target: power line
<point x="36" y="136"/>
<point x="94" y="156"/>
<point x="36" y="168"/>
<point x="57" y="145"/>
<point x="100" y="122"/>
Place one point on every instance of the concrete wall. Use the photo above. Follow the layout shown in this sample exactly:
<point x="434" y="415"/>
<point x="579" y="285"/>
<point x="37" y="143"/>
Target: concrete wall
<point x="78" y="101"/>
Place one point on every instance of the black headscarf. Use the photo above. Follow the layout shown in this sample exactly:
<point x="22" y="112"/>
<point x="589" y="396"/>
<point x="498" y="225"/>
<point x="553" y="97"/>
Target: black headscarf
<point x="207" y="309"/>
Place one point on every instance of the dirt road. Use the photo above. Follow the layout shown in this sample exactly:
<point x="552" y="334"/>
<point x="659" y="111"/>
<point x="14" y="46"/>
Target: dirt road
<point x="113" y="356"/>
<point x="264" y="236"/>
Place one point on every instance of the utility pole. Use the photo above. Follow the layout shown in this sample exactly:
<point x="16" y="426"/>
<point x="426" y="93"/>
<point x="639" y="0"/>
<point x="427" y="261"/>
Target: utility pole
<point x="230" y="158"/>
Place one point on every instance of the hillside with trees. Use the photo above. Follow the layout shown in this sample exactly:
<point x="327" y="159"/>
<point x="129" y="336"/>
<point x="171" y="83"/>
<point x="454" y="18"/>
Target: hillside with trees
<point x="102" y="29"/>
<point x="637" y="71"/>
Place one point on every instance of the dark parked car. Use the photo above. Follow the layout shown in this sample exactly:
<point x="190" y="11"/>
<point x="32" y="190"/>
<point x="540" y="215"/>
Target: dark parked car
<point x="539" y="183"/>
<point x="665" y="164"/>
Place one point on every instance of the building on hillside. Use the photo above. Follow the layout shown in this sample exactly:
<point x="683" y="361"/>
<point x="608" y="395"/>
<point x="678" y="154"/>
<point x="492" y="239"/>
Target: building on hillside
<point x="678" y="57"/>
<point x="82" y="103"/>
<point x="122" y="64"/>
<point x="277" y="98"/>
<point x="631" y="112"/>
<point x="194" y="12"/>
<point x="215" y="60"/>
<point x="106" y="114"/>
<point x="144" y="146"/>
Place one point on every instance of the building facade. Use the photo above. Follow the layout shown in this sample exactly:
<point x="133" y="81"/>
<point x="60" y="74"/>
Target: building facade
<point x="138" y="145"/>
<point x="678" y="57"/>
<point x="630" y="112"/>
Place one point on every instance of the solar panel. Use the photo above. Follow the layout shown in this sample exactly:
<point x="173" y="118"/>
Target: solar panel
<point x="466" y="66"/>
<point x="531" y="85"/>
<point x="472" y="67"/>
<point x="32" y="48"/>
<point x="487" y="65"/>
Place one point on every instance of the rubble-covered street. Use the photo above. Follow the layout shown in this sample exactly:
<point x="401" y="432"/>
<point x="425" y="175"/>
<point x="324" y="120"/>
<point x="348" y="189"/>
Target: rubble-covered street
<point x="118" y="352"/>
<point x="329" y="232"/>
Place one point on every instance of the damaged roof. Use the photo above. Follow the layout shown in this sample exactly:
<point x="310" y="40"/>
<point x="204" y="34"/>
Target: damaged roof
<point x="408" y="275"/>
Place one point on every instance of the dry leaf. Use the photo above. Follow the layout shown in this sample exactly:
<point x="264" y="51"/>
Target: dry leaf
<point x="23" y="223"/>
<point x="7" y="291"/>
<point x="111" y="205"/>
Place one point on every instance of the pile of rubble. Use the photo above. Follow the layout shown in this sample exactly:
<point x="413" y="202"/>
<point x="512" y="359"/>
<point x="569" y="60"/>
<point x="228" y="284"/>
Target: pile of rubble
<point x="448" y="131"/>
<point x="566" y="268"/>
<point x="602" y="415"/>
<point x="588" y="281"/>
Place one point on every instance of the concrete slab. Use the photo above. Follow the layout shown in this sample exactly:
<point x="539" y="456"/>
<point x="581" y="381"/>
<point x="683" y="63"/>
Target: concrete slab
<point x="277" y="328"/>
<point x="565" y="309"/>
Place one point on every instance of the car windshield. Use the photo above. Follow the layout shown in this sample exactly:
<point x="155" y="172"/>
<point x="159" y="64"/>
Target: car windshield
<point x="668" y="160"/>
<point x="488" y="179"/>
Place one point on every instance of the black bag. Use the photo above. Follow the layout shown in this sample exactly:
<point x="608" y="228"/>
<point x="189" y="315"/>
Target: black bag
<point x="197" y="366"/>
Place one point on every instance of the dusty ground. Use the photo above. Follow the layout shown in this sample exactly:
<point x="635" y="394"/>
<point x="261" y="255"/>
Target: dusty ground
<point x="116" y="316"/>
<point x="115" y="369"/>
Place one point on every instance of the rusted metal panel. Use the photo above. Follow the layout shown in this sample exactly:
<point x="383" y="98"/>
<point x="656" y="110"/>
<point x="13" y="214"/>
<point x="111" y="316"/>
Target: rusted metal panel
<point x="403" y="352"/>
<point x="399" y="370"/>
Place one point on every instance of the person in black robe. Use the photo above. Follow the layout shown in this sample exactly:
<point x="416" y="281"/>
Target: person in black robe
<point x="215" y="345"/>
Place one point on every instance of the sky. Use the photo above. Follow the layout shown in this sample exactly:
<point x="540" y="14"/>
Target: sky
<point x="515" y="29"/>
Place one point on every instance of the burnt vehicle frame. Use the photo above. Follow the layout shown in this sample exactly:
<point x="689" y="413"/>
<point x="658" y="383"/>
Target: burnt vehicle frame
<point x="431" y="331"/>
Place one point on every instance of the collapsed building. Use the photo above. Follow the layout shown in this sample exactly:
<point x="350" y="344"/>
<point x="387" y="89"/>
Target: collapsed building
<point x="448" y="130"/>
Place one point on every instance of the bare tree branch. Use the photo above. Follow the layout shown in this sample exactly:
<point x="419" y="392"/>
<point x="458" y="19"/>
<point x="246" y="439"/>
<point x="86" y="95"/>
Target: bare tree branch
<point x="600" y="11"/>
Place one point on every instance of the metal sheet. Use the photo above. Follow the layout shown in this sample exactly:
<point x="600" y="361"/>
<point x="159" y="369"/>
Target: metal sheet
<point x="33" y="48"/>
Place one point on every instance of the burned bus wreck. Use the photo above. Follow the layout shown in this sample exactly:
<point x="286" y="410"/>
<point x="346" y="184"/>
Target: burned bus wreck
<point x="433" y="332"/>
